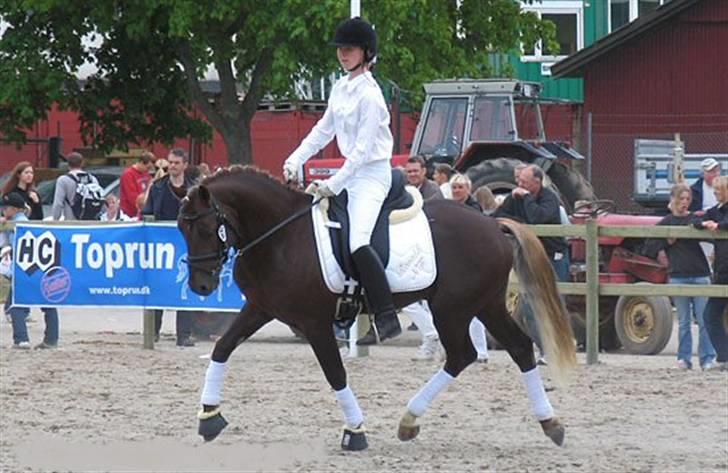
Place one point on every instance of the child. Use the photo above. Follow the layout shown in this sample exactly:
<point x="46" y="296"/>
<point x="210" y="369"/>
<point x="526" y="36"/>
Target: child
<point x="13" y="210"/>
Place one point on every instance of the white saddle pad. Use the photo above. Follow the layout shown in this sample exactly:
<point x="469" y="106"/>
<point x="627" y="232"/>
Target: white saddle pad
<point x="411" y="264"/>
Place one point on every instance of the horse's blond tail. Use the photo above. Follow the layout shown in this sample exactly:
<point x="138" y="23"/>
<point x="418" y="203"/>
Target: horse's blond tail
<point x="538" y="284"/>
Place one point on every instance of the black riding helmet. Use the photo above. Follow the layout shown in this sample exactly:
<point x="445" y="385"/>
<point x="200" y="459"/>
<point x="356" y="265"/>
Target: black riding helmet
<point x="357" y="32"/>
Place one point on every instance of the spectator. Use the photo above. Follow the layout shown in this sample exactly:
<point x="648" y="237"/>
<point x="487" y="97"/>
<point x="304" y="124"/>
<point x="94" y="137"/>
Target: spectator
<point x="22" y="182"/>
<point x="442" y="174"/>
<point x="420" y="314"/>
<point x="163" y="202"/>
<point x="134" y="181"/>
<point x="13" y="209"/>
<point x="703" y="196"/>
<point x="716" y="218"/>
<point x="161" y="165"/>
<point x="417" y="177"/>
<point x="113" y="211"/>
<point x="461" y="186"/>
<point x="66" y="187"/>
<point x="686" y="265"/>
<point x="532" y="203"/>
<point x="485" y="198"/>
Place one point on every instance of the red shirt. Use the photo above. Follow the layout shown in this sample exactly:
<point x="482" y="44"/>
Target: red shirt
<point x="133" y="183"/>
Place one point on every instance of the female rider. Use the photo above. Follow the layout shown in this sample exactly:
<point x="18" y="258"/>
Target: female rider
<point x="359" y="119"/>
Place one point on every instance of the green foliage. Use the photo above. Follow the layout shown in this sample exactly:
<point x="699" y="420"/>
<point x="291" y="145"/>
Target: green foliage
<point x="152" y="54"/>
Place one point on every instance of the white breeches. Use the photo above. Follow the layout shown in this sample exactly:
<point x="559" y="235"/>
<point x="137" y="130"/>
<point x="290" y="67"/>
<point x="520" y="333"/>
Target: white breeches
<point x="420" y="314"/>
<point x="367" y="190"/>
<point x="477" y="335"/>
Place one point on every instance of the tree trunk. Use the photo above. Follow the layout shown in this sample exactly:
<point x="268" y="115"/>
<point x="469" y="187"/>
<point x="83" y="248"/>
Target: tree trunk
<point x="238" y="142"/>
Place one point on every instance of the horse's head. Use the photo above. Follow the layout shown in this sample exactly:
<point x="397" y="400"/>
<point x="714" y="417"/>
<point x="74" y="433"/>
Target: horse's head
<point x="209" y="235"/>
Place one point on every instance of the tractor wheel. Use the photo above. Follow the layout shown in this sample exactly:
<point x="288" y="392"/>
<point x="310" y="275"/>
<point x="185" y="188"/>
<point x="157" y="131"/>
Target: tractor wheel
<point x="643" y="323"/>
<point x="608" y="340"/>
<point x="497" y="174"/>
<point x="571" y="184"/>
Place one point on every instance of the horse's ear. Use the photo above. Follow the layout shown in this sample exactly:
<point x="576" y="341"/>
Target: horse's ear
<point x="204" y="194"/>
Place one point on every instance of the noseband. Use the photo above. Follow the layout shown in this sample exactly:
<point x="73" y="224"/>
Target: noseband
<point x="223" y="248"/>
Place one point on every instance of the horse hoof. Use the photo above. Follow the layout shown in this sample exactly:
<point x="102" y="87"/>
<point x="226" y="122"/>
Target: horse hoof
<point x="408" y="428"/>
<point x="354" y="440"/>
<point x="211" y="427"/>
<point x="553" y="429"/>
<point x="408" y="433"/>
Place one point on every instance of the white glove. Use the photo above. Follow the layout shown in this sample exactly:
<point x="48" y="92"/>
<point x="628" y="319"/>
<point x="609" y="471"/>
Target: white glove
<point x="290" y="171"/>
<point x="320" y="189"/>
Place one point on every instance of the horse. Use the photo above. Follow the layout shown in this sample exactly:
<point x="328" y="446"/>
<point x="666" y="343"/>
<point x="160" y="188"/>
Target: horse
<point x="279" y="273"/>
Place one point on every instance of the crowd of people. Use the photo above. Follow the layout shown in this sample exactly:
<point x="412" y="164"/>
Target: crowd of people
<point x="149" y="187"/>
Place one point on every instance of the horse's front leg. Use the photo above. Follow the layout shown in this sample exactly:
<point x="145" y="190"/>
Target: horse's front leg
<point x="323" y="342"/>
<point x="249" y="321"/>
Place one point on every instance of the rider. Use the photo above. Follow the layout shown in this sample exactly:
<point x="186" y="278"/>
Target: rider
<point x="359" y="119"/>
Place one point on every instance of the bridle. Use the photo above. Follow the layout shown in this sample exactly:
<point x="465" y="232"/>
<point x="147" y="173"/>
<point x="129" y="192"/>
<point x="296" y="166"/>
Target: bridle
<point x="223" y="249"/>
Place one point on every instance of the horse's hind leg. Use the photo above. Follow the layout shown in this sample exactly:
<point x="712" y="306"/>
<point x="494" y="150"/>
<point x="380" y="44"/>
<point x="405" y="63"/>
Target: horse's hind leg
<point x="455" y="338"/>
<point x="520" y="347"/>
<point x="327" y="353"/>
<point x="246" y="324"/>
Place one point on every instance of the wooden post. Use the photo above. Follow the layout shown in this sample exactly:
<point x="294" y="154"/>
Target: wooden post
<point x="592" y="291"/>
<point x="148" y="315"/>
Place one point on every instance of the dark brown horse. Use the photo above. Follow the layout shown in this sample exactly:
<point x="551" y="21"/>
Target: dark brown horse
<point x="281" y="279"/>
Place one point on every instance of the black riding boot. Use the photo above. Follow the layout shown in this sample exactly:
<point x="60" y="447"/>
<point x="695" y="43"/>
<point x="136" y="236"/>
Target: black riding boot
<point x="378" y="294"/>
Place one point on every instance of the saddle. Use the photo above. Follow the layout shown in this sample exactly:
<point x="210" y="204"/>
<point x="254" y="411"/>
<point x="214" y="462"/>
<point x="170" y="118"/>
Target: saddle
<point x="397" y="199"/>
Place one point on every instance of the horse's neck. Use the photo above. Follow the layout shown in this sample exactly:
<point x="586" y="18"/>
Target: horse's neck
<point x="257" y="212"/>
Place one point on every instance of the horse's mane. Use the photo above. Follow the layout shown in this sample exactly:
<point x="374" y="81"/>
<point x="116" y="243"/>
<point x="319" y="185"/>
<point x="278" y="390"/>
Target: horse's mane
<point x="237" y="171"/>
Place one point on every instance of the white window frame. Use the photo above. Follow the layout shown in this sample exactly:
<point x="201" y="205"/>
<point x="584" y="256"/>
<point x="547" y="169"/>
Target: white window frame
<point x="561" y="7"/>
<point x="633" y="11"/>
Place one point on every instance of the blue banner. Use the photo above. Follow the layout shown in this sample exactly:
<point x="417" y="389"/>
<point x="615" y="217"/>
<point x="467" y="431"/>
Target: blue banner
<point x="120" y="265"/>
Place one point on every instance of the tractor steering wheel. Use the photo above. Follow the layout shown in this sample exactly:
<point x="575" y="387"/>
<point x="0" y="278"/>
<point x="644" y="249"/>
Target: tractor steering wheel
<point x="593" y="208"/>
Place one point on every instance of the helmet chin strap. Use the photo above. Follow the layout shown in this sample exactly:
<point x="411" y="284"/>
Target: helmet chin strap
<point x="361" y="64"/>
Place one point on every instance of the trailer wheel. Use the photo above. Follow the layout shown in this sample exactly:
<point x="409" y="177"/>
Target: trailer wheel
<point x="572" y="185"/>
<point x="643" y="323"/>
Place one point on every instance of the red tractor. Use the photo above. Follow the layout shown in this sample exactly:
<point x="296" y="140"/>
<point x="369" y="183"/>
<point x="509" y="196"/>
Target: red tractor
<point x="639" y="324"/>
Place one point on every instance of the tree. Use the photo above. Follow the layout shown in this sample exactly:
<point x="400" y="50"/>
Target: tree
<point x="152" y="54"/>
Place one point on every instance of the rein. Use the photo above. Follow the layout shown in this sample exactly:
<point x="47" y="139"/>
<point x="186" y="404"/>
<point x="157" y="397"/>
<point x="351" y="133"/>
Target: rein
<point x="285" y="222"/>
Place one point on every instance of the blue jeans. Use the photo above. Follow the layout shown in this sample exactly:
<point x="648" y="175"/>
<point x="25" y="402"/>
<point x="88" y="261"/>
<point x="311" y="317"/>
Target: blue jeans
<point x="706" y="353"/>
<point x="561" y="269"/>
<point x="20" y="329"/>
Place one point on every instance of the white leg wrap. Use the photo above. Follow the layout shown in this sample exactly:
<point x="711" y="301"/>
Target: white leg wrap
<point x="214" y="379"/>
<point x="419" y="404"/>
<point x="352" y="412"/>
<point x="540" y="404"/>
<point x="477" y="335"/>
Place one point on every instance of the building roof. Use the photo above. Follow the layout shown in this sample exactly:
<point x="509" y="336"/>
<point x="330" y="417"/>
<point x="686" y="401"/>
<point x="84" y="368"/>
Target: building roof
<point x="575" y="65"/>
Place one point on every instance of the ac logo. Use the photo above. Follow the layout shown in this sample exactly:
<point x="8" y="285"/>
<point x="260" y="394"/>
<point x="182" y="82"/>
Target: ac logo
<point x="37" y="253"/>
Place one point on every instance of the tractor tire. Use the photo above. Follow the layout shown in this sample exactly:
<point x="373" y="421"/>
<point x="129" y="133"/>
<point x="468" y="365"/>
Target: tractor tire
<point x="608" y="340"/>
<point x="571" y="184"/>
<point x="497" y="174"/>
<point x="643" y="323"/>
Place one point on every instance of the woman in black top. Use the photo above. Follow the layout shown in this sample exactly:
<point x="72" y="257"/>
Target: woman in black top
<point x="687" y="265"/>
<point x="715" y="219"/>
<point x="21" y="181"/>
